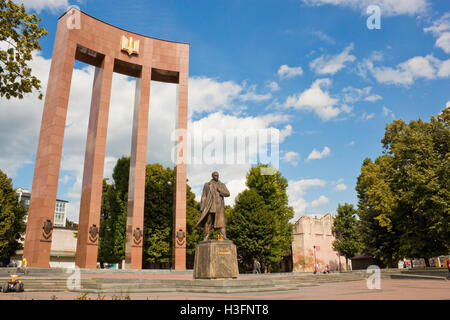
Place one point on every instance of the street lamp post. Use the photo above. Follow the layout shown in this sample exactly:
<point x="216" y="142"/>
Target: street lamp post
<point x="315" y="263"/>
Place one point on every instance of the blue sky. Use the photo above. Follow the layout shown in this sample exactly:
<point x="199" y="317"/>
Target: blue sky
<point x="310" y="68"/>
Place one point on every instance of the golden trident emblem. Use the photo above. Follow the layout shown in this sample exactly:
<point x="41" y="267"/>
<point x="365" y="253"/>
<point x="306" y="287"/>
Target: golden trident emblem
<point x="129" y="45"/>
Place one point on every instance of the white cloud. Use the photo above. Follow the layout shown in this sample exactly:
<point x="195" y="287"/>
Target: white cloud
<point x="388" y="112"/>
<point x="330" y="64"/>
<point x="297" y="190"/>
<point x="324" y="37"/>
<point x="353" y="95"/>
<point x="346" y="108"/>
<point x="208" y="95"/>
<point x="251" y="95"/>
<point x="407" y="72"/>
<point x="388" y="7"/>
<point x="373" y="98"/>
<point x="350" y="144"/>
<point x="367" y="116"/>
<point x="64" y="179"/>
<point x="443" y="42"/>
<point x="316" y="154"/>
<point x="340" y="187"/>
<point x="441" y="30"/>
<point x="447" y="105"/>
<point x="286" y="132"/>
<point x="291" y="157"/>
<point x="230" y="173"/>
<point x="73" y="210"/>
<point x="20" y="123"/>
<point x="40" y="5"/>
<point x="286" y="72"/>
<point x="444" y="69"/>
<point x="315" y="99"/>
<point x="320" y="201"/>
<point x="235" y="187"/>
<point x="273" y="86"/>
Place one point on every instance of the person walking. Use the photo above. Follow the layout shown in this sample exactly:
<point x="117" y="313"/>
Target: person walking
<point x="24" y="265"/>
<point x="317" y="271"/>
<point x="256" y="266"/>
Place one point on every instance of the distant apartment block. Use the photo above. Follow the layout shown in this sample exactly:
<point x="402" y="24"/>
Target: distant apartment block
<point x="64" y="244"/>
<point x="60" y="208"/>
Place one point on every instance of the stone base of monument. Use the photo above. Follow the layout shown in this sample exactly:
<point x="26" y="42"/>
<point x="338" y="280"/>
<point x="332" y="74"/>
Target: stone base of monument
<point x="215" y="259"/>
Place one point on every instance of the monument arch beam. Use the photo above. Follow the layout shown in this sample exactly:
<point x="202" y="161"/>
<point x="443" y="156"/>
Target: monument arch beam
<point x="91" y="190"/>
<point x="136" y="187"/>
<point x="110" y="49"/>
<point x="179" y="221"/>
<point x="48" y="156"/>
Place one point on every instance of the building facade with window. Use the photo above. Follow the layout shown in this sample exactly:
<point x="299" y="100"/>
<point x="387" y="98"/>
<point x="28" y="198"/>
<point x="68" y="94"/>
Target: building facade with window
<point x="60" y="207"/>
<point x="64" y="244"/>
<point x="312" y="243"/>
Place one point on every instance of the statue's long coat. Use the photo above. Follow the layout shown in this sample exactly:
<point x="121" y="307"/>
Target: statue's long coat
<point x="212" y="201"/>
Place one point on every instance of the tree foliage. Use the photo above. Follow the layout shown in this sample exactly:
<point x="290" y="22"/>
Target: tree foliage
<point x="259" y="222"/>
<point x="114" y="214"/>
<point x="404" y="194"/>
<point x="158" y="210"/>
<point x="379" y="237"/>
<point x="12" y="224"/>
<point x="158" y="217"/>
<point x="19" y="36"/>
<point x="252" y="227"/>
<point x="346" y="231"/>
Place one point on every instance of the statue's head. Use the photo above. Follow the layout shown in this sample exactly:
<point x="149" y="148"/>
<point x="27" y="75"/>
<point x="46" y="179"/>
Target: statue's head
<point x="215" y="176"/>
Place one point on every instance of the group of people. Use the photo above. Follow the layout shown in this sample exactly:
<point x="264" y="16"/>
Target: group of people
<point x="317" y="269"/>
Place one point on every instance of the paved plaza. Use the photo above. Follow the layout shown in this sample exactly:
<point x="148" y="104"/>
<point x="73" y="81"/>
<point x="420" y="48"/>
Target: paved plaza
<point x="391" y="289"/>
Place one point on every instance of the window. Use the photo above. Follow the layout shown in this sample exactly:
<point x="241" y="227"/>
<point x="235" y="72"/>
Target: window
<point x="60" y="213"/>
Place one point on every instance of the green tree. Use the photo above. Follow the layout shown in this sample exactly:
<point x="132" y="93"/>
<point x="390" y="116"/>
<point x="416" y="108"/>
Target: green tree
<point x="379" y="236"/>
<point x="113" y="219"/>
<point x="253" y="229"/>
<point x="158" y="211"/>
<point x="20" y="32"/>
<point x="346" y="232"/>
<point x="272" y="191"/>
<point x="12" y="224"/>
<point x="404" y="194"/>
<point x="158" y="216"/>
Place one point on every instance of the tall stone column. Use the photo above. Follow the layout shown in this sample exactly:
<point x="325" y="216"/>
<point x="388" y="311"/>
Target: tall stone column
<point x="179" y="231"/>
<point x="38" y="238"/>
<point x="91" y="192"/>
<point x="136" y="185"/>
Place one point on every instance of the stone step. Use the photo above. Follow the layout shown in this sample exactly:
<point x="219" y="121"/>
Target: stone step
<point x="195" y="290"/>
<point x="262" y="283"/>
<point x="417" y="276"/>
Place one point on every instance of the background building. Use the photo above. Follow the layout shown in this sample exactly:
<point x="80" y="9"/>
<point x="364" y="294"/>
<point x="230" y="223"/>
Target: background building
<point x="60" y="208"/>
<point x="64" y="244"/>
<point x="310" y="232"/>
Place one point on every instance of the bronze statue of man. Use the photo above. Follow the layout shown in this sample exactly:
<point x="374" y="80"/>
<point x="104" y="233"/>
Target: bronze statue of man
<point x="212" y="206"/>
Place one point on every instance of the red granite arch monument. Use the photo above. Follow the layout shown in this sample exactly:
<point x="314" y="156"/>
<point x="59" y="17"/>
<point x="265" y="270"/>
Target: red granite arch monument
<point x="110" y="49"/>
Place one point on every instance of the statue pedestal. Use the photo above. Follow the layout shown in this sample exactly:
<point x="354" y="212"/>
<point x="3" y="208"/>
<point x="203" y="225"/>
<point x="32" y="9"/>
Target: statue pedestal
<point x="215" y="259"/>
